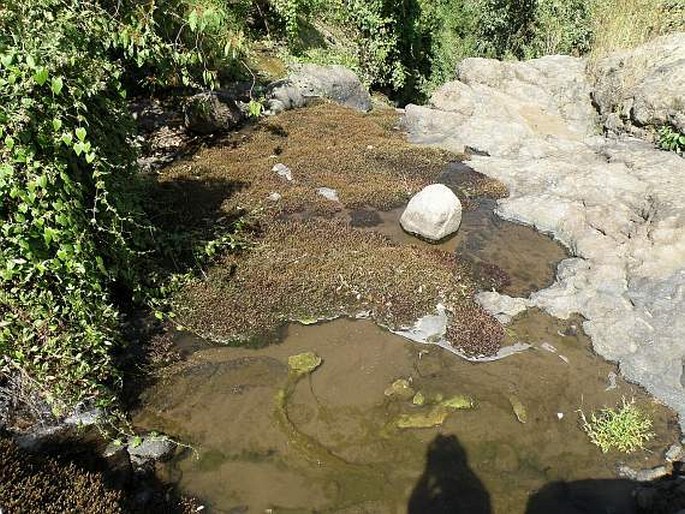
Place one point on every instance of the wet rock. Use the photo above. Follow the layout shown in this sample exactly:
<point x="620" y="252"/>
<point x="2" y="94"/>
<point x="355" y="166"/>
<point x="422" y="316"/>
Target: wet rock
<point x="310" y="82"/>
<point x="328" y="194"/>
<point x="149" y="448"/>
<point x="211" y="112"/>
<point x="400" y="389"/>
<point x="643" y="86"/>
<point x="458" y="402"/>
<point x="617" y="203"/>
<point x="283" y="171"/>
<point x="304" y="363"/>
<point x="428" y="329"/>
<point x="432" y="418"/>
<point x="518" y="408"/>
<point x="504" y="308"/>
<point x="433" y="213"/>
<point x="674" y="453"/>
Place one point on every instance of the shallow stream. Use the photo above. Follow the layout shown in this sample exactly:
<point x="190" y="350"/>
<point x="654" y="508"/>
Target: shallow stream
<point x="265" y="441"/>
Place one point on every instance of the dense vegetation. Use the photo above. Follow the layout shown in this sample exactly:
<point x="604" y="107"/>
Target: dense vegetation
<point x="76" y="244"/>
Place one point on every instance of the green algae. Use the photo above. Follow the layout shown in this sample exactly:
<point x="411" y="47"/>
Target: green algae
<point x="400" y="389"/>
<point x="518" y="408"/>
<point x="419" y="399"/>
<point x="458" y="402"/>
<point x="304" y="363"/>
<point x="426" y="419"/>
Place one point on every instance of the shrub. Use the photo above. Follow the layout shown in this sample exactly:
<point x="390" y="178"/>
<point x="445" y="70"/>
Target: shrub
<point x="625" y="429"/>
<point x="71" y="228"/>
<point x="670" y="139"/>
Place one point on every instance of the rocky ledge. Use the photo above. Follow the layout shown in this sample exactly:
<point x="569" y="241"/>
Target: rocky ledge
<point x="578" y="173"/>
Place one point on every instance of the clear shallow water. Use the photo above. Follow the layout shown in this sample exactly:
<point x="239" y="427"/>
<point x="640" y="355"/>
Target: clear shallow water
<point x="329" y="443"/>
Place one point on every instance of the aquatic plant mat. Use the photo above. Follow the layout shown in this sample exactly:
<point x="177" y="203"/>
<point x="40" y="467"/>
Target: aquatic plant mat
<point x="307" y="262"/>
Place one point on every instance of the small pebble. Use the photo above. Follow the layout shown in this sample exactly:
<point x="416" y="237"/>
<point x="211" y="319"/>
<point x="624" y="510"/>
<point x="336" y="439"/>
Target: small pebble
<point x="674" y="452"/>
<point x="274" y="196"/>
<point x="283" y="171"/>
<point x="560" y="415"/>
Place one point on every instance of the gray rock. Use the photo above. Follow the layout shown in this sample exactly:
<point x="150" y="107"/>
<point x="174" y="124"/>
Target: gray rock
<point x="310" y="82"/>
<point x="328" y="194"/>
<point x="501" y="306"/>
<point x="274" y="196"/>
<point x="283" y="171"/>
<point x="433" y="213"/>
<point x="157" y="447"/>
<point x="643" y="86"/>
<point x="674" y="452"/>
<point x="647" y="475"/>
<point x="617" y="203"/>
<point x="211" y="112"/>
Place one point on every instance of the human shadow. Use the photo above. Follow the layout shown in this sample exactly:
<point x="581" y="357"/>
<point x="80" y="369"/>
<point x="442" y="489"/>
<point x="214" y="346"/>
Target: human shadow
<point x="585" y="497"/>
<point x="448" y="485"/>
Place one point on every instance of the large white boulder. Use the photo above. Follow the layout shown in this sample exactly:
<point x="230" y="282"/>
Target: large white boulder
<point x="433" y="213"/>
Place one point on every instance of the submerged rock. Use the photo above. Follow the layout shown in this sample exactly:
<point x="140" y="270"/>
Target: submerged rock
<point x="458" y="402"/>
<point x="433" y="213"/>
<point x="432" y="418"/>
<point x="419" y="399"/>
<point x="150" y="447"/>
<point x="400" y="389"/>
<point x="518" y="408"/>
<point x="304" y="363"/>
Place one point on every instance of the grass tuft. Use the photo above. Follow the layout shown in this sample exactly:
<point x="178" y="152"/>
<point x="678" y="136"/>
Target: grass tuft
<point x="625" y="429"/>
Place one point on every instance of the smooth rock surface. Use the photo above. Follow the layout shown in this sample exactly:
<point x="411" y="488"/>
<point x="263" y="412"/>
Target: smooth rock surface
<point x="311" y="81"/>
<point x="433" y="213"/>
<point x="618" y="204"/>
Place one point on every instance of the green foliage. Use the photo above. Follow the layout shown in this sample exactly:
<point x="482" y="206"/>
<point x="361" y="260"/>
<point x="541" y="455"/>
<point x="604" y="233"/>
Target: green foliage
<point x="71" y="227"/>
<point x="625" y="429"/>
<point x="670" y="139"/>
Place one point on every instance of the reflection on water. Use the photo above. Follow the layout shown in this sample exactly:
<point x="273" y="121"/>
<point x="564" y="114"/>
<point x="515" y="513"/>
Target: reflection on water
<point x="330" y="442"/>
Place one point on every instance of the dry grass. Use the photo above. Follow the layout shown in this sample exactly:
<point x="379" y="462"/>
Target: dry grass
<point x="625" y="24"/>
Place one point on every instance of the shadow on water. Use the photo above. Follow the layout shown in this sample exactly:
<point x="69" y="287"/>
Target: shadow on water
<point x="449" y="486"/>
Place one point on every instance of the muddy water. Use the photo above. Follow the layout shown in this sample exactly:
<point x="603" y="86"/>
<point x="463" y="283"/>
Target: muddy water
<point x="528" y="257"/>
<point x="329" y="443"/>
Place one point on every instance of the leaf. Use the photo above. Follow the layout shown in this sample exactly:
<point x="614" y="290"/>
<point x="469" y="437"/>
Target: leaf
<point x="57" y="85"/>
<point x="9" y="142"/>
<point x="30" y="61"/>
<point x="67" y="139"/>
<point x="56" y="124"/>
<point x="79" y="147"/>
<point x="90" y="157"/>
<point x="42" y="181"/>
<point x="81" y="133"/>
<point x="192" y="20"/>
<point x="6" y="60"/>
<point x="41" y="76"/>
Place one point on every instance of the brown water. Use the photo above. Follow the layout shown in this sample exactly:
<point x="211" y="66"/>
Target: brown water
<point x="528" y="257"/>
<point x="328" y="442"/>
